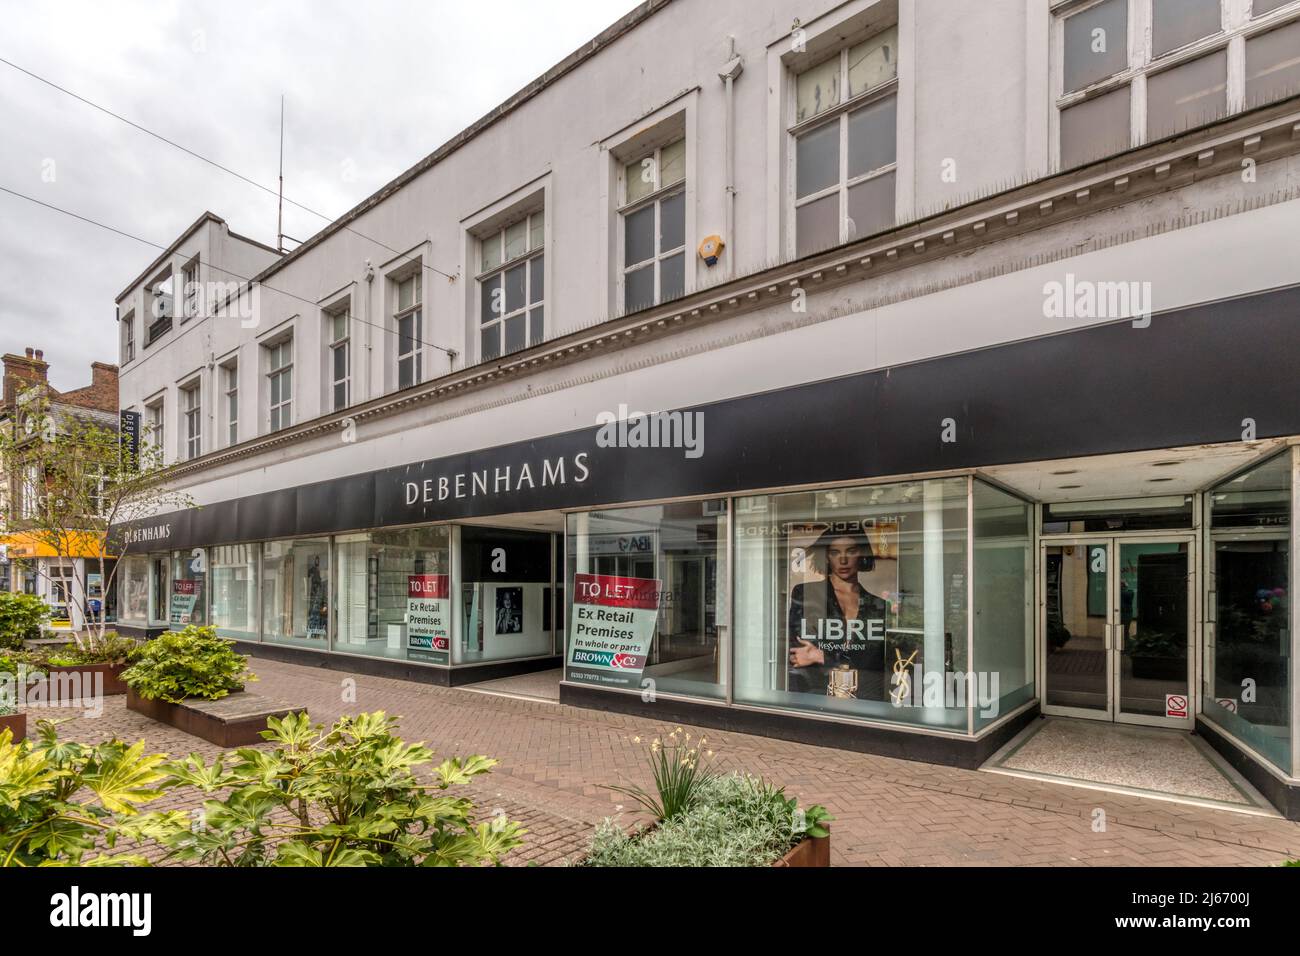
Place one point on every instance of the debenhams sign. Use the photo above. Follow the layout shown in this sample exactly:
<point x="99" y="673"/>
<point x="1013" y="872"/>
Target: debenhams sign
<point x="149" y="533"/>
<point x="487" y="482"/>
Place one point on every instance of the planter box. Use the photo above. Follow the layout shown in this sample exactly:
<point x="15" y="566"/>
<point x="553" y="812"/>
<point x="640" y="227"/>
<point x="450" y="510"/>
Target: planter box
<point x="113" y="684"/>
<point x="810" y="851"/>
<point x="17" y="724"/>
<point x="234" y="721"/>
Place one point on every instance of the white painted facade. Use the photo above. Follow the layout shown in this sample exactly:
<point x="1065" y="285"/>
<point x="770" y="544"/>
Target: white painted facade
<point x="986" y="224"/>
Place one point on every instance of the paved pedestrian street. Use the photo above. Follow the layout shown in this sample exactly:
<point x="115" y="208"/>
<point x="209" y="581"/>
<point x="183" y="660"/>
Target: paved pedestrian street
<point x="888" y="812"/>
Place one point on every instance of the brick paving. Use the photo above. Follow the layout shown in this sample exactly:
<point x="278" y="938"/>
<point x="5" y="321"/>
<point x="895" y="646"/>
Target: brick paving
<point x="889" y="812"/>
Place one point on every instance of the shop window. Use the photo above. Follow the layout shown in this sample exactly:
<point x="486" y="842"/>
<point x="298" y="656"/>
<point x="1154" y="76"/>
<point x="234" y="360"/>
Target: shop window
<point x="1247" y="662"/>
<point x="394" y="595"/>
<point x="648" y="598"/>
<point x="160" y="589"/>
<point x="505" y="580"/>
<point x="853" y="602"/>
<point x="296" y="592"/>
<point x="189" y="594"/>
<point x="233" y="572"/>
<point x="1004" y="598"/>
<point x="133" y="575"/>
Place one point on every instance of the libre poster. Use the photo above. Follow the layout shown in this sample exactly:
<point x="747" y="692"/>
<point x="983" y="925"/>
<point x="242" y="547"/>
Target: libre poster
<point x="428" y="618"/>
<point x="610" y="629"/>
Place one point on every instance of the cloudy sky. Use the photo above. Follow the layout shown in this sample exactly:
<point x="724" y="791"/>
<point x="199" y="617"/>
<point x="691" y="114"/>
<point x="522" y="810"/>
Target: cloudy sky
<point x="370" y="88"/>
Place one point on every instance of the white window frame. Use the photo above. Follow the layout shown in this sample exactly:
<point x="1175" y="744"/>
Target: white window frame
<point x="156" y="414"/>
<point x="838" y="114"/>
<point x="128" y="338"/>
<point x="528" y="258"/>
<point x="335" y="344"/>
<point x="656" y="197"/>
<point x="191" y="290"/>
<point x="279" y="414"/>
<point x="191" y="418"/>
<point x="415" y="314"/>
<point x="230" y="395"/>
<point x="1237" y="22"/>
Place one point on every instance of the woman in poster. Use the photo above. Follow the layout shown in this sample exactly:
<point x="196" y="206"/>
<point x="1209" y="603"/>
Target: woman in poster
<point x="831" y="622"/>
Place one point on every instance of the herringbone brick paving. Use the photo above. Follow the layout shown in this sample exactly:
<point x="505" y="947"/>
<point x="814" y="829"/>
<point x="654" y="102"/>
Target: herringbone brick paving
<point x="888" y="812"/>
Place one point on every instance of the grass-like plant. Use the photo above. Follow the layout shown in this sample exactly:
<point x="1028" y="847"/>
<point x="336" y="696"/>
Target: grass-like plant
<point x="110" y="648"/>
<point x="184" y="664"/>
<point x="680" y="770"/>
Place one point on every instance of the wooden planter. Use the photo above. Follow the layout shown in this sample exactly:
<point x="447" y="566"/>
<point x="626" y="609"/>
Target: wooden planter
<point x="234" y="721"/>
<point x="17" y="724"/>
<point x="810" y="851"/>
<point x="112" y="686"/>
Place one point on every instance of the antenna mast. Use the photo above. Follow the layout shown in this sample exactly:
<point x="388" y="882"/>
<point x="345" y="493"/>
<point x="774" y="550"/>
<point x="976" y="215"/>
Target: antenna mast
<point x="279" y="220"/>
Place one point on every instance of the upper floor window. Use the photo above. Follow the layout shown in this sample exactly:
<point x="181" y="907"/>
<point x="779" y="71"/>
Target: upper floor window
<point x="230" y="386"/>
<point x="1180" y="52"/>
<point x="410" y="341"/>
<point x="128" y="338"/>
<point x="161" y="301"/>
<point x="280" y="381"/>
<point x="653" y="213"/>
<point x="845" y="143"/>
<point x="339" y="333"/>
<point x="512" y="287"/>
<point x="154" y="424"/>
<point x="191" y="290"/>
<point x="192" y="413"/>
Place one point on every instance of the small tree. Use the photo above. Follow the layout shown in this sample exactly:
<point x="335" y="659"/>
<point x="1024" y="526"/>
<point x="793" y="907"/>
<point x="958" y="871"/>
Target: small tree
<point x="79" y="484"/>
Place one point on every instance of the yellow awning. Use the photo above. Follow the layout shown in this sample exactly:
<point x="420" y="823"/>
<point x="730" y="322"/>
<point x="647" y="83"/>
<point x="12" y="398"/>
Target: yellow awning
<point x="28" y="544"/>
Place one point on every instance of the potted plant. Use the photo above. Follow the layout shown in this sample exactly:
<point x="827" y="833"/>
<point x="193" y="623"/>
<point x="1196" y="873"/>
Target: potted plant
<point x="12" y="722"/>
<point x="94" y="658"/>
<point x="704" y="818"/>
<point x="180" y="665"/>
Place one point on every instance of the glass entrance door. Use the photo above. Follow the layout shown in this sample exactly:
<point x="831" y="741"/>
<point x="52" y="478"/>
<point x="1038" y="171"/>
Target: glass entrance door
<point x="1116" y="623"/>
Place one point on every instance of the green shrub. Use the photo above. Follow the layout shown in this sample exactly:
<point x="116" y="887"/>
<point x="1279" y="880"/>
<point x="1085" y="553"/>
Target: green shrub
<point x="184" y="664"/>
<point x="58" y="799"/>
<point x="111" y="648"/>
<point x="348" y="796"/>
<point x="21" y="617"/>
<point x="737" y="820"/>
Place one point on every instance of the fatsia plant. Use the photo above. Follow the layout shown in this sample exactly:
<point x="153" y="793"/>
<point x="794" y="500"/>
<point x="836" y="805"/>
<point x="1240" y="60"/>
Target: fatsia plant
<point x="346" y="796"/>
<point x="59" y="800"/>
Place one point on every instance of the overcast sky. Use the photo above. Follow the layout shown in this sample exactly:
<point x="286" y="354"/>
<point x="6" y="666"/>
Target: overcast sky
<point x="370" y="88"/>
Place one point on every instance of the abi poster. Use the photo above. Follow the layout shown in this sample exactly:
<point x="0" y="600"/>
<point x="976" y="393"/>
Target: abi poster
<point x="428" y="618"/>
<point x="610" y="629"/>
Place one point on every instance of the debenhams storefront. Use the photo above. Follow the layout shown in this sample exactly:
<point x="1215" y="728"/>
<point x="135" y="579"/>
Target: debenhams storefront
<point x="870" y="562"/>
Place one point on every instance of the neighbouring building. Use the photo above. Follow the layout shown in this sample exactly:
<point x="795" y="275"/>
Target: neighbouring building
<point x="880" y="373"/>
<point x="72" y="582"/>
